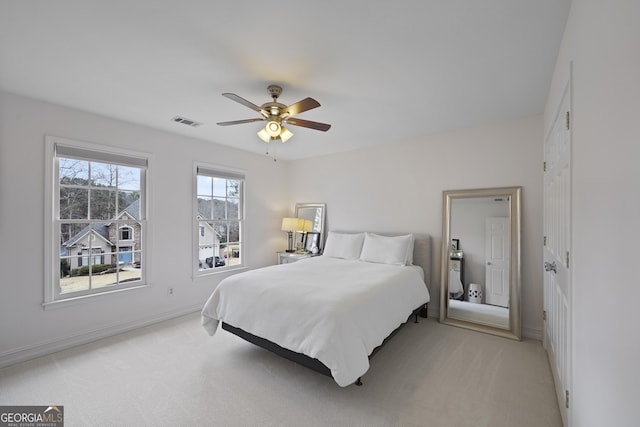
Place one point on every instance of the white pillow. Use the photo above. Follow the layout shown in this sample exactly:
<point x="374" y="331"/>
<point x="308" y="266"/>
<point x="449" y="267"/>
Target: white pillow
<point x="410" y="250"/>
<point x="397" y="250"/>
<point x="343" y="245"/>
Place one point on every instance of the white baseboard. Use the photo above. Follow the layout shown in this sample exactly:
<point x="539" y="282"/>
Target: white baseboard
<point x="25" y="353"/>
<point x="532" y="333"/>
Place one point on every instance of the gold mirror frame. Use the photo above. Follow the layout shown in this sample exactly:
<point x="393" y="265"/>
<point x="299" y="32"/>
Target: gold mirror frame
<point x="515" y="323"/>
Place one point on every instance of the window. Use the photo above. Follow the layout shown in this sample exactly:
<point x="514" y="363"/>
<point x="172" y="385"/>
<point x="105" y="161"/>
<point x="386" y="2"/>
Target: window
<point x="97" y="257"/>
<point x="219" y="217"/>
<point x="126" y="233"/>
<point x="98" y="219"/>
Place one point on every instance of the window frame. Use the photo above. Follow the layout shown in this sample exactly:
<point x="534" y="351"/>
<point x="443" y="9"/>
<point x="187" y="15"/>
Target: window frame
<point x="224" y="172"/>
<point x="57" y="148"/>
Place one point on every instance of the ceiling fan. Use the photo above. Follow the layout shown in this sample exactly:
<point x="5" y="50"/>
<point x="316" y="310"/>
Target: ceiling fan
<point x="277" y="115"/>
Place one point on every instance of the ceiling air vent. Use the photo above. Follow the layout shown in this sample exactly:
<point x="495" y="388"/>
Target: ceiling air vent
<point x="186" y="121"/>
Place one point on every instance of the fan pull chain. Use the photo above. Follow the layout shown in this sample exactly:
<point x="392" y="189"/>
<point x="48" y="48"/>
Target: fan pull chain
<point x="267" y="153"/>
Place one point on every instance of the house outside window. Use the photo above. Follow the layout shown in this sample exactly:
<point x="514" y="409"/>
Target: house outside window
<point x="98" y="219"/>
<point x="218" y="219"/>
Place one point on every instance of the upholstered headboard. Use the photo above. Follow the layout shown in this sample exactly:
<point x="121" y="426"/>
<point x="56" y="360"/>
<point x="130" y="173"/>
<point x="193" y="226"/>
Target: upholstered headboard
<point x="422" y="255"/>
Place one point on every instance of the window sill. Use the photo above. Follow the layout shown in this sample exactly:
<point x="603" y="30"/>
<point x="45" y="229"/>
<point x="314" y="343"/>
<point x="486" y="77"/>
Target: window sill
<point x="67" y="302"/>
<point x="216" y="271"/>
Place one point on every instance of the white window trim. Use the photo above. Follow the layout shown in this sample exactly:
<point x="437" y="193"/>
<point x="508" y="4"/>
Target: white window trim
<point x="196" y="272"/>
<point x="51" y="252"/>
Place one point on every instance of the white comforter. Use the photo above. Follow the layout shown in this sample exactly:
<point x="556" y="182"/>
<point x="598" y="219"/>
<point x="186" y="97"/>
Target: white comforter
<point x="330" y="309"/>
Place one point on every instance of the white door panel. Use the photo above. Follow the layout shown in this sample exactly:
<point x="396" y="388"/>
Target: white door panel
<point x="557" y="252"/>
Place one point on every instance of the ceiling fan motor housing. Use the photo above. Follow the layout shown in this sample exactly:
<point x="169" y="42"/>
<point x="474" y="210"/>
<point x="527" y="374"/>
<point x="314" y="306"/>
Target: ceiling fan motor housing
<point x="273" y="108"/>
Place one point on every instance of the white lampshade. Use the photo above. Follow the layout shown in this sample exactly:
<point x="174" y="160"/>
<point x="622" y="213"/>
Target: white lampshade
<point x="264" y="135"/>
<point x="305" y="225"/>
<point x="286" y="134"/>
<point x="290" y="224"/>
<point x="273" y="130"/>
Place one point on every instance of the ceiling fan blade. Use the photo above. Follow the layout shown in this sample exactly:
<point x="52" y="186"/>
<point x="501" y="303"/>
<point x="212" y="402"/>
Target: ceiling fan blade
<point x="239" y="122"/>
<point x="301" y="106"/>
<point x="241" y="100"/>
<point x="308" y="124"/>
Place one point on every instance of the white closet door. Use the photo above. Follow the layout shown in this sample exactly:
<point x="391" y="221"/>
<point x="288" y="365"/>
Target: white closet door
<point x="557" y="252"/>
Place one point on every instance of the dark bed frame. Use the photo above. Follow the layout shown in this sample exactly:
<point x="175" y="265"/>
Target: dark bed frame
<point x="303" y="359"/>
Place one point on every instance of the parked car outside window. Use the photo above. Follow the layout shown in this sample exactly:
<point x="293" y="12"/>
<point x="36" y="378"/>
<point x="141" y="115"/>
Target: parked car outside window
<point x="219" y="262"/>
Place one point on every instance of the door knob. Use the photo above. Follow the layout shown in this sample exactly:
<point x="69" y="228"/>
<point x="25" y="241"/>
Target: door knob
<point x="550" y="266"/>
<point x="488" y="263"/>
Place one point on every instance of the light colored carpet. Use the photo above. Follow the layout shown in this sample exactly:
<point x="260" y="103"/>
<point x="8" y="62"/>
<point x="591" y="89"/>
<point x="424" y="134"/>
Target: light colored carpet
<point x="174" y="374"/>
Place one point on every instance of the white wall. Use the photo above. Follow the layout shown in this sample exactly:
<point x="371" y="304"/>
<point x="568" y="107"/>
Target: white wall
<point x="26" y="329"/>
<point x="399" y="189"/>
<point x="602" y="39"/>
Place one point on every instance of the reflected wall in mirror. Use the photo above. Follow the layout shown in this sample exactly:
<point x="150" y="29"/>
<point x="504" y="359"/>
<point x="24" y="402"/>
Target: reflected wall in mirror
<point x="314" y="212"/>
<point x="480" y="275"/>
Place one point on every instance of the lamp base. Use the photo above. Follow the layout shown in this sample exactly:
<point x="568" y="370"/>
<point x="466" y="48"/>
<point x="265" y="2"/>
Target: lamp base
<point x="290" y="248"/>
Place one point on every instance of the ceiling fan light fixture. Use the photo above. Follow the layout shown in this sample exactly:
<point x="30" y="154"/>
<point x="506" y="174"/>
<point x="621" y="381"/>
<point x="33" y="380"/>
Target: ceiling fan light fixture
<point x="273" y="129"/>
<point x="285" y="135"/>
<point x="264" y="136"/>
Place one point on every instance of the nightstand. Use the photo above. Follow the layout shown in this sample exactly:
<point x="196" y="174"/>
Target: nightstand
<point x="287" y="257"/>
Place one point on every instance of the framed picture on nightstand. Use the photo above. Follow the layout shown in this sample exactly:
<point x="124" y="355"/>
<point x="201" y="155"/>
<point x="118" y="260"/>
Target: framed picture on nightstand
<point x="312" y="243"/>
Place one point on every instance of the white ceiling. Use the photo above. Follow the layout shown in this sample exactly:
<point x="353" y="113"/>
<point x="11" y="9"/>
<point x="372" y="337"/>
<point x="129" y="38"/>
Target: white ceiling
<point x="384" y="71"/>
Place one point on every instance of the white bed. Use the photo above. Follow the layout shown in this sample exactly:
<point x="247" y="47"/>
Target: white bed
<point x="333" y="309"/>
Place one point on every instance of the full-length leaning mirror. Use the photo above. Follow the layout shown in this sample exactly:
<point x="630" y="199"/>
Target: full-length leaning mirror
<point x="480" y="279"/>
<point x="314" y="212"/>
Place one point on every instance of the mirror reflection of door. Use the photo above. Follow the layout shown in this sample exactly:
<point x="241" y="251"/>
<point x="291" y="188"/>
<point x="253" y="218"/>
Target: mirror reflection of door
<point x="497" y="250"/>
